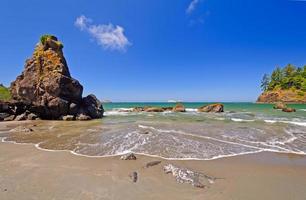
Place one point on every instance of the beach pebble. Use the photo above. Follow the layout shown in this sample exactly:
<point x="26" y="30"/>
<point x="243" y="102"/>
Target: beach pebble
<point x="134" y="176"/>
<point x="129" y="156"/>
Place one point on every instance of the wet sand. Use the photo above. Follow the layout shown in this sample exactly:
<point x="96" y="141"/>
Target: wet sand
<point x="29" y="173"/>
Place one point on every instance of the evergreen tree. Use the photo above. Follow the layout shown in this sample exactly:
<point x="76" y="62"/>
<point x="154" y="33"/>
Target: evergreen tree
<point x="289" y="77"/>
<point x="265" y="82"/>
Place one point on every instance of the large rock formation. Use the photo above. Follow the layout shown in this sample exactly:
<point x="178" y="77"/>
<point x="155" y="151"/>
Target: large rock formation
<point x="287" y="96"/>
<point x="46" y="88"/>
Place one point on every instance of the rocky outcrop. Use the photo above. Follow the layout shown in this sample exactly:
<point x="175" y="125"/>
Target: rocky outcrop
<point x="46" y="89"/>
<point x="216" y="108"/>
<point x="286" y="96"/>
<point x="179" y="108"/>
<point x="280" y="105"/>
<point x="153" y="109"/>
<point x="289" y="110"/>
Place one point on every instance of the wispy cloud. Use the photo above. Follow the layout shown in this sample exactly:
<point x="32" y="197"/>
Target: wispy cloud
<point x="108" y="36"/>
<point x="192" y="6"/>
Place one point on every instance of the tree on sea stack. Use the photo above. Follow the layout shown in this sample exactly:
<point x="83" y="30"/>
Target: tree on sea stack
<point x="45" y="87"/>
<point x="286" y="84"/>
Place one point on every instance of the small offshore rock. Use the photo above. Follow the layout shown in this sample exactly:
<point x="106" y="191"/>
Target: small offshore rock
<point x="168" y="108"/>
<point x="179" y="108"/>
<point x="288" y="110"/>
<point x="153" y="163"/>
<point x="280" y="105"/>
<point x="129" y="156"/>
<point x="134" y="176"/>
<point x="154" y="109"/>
<point x="215" y="108"/>
<point x="68" y="118"/>
<point x="138" y="109"/>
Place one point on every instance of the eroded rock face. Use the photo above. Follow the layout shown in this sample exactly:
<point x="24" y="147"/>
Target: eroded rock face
<point x="92" y="106"/>
<point x="287" y="96"/>
<point x="212" y="108"/>
<point x="46" y="88"/>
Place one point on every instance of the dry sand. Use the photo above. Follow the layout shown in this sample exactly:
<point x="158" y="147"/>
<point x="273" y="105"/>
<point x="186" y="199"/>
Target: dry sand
<point x="29" y="173"/>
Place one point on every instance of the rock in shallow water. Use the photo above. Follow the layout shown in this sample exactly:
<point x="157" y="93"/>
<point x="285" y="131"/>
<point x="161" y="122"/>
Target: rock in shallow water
<point x="215" y="108"/>
<point x="179" y="108"/>
<point x="280" y="105"/>
<point x="288" y="110"/>
<point x="184" y="175"/>
<point x="129" y="156"/>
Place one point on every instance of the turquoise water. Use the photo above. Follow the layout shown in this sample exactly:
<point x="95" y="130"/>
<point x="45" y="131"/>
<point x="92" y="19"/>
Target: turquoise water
<point x="242" y="129"/>
<point x="236" y="107"/>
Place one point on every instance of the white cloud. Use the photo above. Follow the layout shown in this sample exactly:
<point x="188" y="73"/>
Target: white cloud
<point x="81" y="22"/>
<point x="106" y="35"/>
<point x="192" y="5"/>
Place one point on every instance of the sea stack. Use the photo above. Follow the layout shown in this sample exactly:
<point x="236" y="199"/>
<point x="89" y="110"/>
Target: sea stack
<point x="279" y="95"/>
<point x="46" y="89"/>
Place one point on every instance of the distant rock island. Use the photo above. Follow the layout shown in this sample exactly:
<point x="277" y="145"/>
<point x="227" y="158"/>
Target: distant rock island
<point x="46" y="90"/>
<point x="286" y="84"/>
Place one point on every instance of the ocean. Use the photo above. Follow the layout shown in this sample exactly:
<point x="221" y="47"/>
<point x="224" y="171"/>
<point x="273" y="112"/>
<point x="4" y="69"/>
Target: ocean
<point x="243" y="128"/>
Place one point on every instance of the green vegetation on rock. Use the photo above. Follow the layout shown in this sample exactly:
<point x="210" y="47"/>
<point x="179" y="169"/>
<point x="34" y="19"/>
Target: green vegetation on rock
<point x="4" y="93"/>
<point x="44" y="38"/>
<point x="289" y="77"/>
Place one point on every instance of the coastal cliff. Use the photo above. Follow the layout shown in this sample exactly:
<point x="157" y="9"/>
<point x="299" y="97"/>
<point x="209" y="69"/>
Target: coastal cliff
<point x="286" y="96"/>
<point x="286" y="84"/>
<point x="46" y="90"/>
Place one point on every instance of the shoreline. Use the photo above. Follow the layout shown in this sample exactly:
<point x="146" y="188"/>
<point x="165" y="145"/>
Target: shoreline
<point x="28" y="173"/>
<point x="2" y="140"/>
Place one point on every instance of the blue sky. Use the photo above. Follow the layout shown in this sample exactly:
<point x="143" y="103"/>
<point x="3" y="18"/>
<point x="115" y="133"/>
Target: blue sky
<point x="155" y="50"/>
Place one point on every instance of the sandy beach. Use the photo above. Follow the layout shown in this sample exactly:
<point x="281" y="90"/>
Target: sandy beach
<point x="29" y="173"/>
